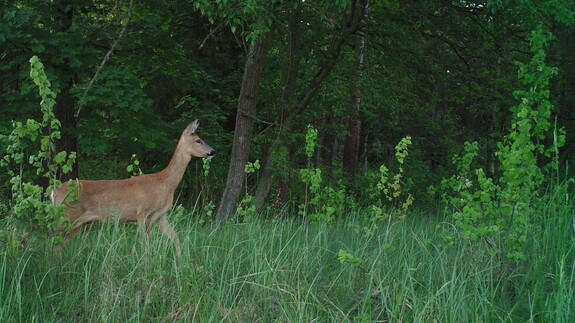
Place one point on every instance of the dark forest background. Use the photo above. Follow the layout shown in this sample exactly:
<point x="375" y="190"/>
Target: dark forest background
<point x="364" y="74"/>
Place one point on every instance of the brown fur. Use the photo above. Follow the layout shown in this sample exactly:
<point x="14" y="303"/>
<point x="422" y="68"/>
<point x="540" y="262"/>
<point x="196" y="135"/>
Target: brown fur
<point x="145" y="199"/>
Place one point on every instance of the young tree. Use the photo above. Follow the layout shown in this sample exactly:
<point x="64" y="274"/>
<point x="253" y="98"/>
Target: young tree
<point x="351" y="145"/>
<point x="244" y="127"/>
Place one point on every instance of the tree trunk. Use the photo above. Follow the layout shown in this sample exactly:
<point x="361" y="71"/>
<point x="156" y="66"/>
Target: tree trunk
<point x="64" y="109"/>
<point x="244" y="128"/>
<point x="351" y="145"/>
<point x="329" y="139"/>
<point x="363" y="145"/>
<point x="266" y="175"/>
<point x="492" y="125"/>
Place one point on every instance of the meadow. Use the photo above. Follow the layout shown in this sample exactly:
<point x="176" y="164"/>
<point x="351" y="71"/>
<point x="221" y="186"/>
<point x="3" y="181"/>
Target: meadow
<point x="286" y="270"/>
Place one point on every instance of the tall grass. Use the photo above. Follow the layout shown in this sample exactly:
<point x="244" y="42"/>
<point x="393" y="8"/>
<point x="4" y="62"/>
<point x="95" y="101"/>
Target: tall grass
<point x="271" y="270"/>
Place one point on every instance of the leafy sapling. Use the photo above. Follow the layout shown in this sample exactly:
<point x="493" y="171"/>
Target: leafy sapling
<point x="320" y="203"/>
<point x="500" y="211"/>
<point x="31" y="154"/>
<point x="134" y="166"/>
<point x="392" y="189"/>
<point x="246" y="209"/>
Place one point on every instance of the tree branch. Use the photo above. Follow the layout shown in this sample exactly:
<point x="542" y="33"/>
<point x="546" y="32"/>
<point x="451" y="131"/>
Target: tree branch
<point x="104" y="61"/>
<point x="213" y="32"/>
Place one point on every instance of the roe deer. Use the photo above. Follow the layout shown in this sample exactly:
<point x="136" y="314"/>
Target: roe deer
<point x="145" y="198"/>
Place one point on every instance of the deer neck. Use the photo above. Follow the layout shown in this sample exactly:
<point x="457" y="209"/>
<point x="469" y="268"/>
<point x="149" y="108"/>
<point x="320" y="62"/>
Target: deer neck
<point x="175" y="170"/>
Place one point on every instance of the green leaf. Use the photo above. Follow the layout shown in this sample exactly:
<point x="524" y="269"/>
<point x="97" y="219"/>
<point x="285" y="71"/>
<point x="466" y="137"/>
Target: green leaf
<point x="60" y="157"/>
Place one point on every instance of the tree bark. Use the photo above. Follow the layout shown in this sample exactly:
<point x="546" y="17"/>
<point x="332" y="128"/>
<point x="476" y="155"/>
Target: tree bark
<point x="64" y="108"/>
<point x="363" y="145"/>
<point x="64" y="111"/>
<point x="294" y="58"/>
<point x="329" y="139"/>
<point x="244" y="128"/>
<point x="492" y="124"/>
<point x="351" y="145"/>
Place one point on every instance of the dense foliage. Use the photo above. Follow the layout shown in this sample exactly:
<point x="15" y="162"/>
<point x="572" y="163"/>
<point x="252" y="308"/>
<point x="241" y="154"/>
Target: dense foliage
<point x="129" y="75"/>
<point x="441" y="72"/>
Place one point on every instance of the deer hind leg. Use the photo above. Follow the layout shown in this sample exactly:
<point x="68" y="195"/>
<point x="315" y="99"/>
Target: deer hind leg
<point x="145" y="220"/>
<point x="143" y="226"/>
<point x="168" y="231"/>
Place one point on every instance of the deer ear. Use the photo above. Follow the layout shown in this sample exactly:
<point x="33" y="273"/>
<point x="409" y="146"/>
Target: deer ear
<point x="192" y="127"/>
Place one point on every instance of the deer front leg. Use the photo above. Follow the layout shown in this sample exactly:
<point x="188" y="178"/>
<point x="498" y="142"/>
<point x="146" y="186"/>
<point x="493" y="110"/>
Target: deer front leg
<point x="167" y="230"/>
<point x="86" y="218"/>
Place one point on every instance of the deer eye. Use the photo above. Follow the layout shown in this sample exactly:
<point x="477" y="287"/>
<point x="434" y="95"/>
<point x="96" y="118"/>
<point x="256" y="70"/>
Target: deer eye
<point x="198" y="141"/>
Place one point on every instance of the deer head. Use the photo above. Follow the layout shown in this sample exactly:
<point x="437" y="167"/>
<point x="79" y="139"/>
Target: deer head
<point x="193" y="144"/>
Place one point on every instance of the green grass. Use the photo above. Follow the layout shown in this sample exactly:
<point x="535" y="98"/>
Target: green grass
<point x="287" y="271"/>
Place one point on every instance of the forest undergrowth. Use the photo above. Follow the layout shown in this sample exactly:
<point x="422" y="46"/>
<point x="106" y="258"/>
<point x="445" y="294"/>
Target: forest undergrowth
<point x="289" y="270"/>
